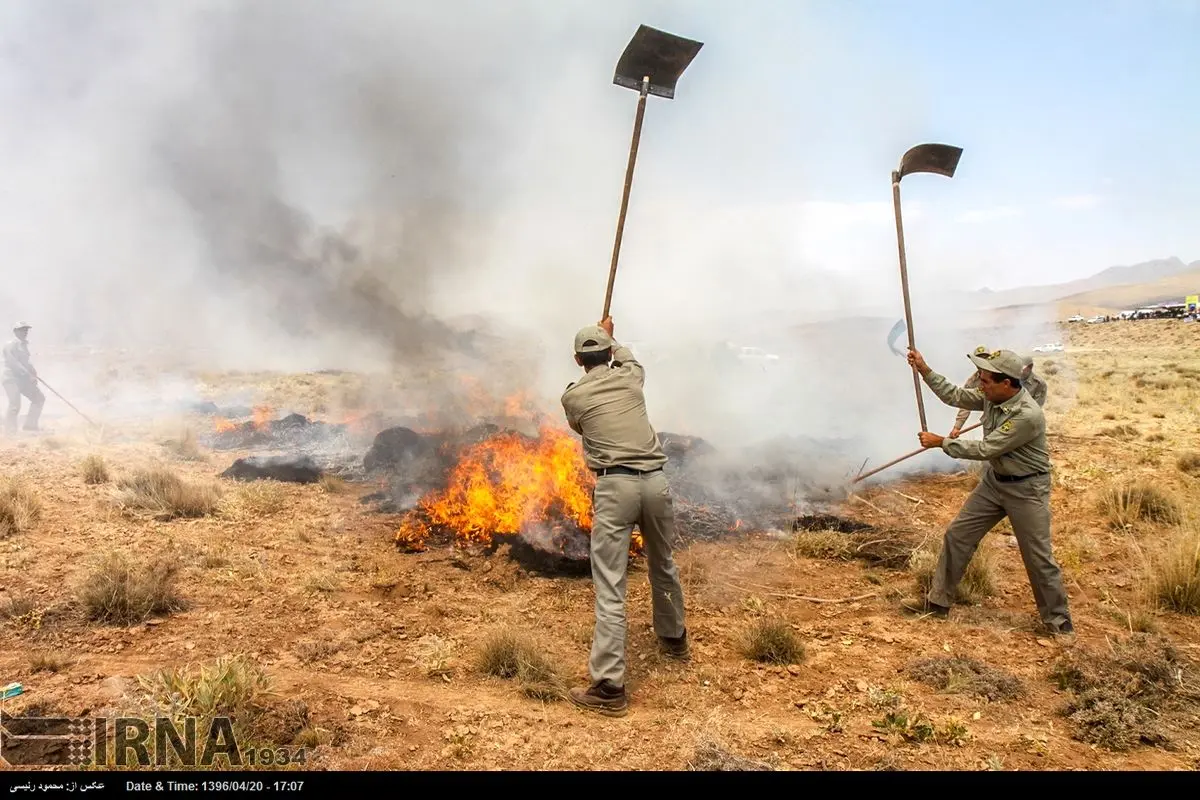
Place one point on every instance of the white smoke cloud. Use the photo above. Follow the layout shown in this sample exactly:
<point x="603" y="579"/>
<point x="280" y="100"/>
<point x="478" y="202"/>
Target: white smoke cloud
<point x="301" y="185"/>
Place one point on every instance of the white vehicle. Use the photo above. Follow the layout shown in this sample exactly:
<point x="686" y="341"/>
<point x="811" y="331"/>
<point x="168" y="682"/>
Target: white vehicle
<point x="1049" y="348"/>
<point x="1076" y="318"/>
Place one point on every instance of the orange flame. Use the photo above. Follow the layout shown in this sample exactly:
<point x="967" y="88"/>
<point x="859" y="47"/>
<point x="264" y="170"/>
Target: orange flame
<point x="508" y="484"/>
<point x="262" y="417"/>
<point x="221" y="425"/>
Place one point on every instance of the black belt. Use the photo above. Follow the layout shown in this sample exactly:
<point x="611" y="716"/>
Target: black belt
<point x="1015" y="478"/>
<point x="624" y="471"/>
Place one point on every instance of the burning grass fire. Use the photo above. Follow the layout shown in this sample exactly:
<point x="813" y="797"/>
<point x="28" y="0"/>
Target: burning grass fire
<point x="538" y="488"/>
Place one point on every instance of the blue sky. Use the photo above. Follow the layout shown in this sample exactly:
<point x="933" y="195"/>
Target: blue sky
<point x="1080" y="123"/>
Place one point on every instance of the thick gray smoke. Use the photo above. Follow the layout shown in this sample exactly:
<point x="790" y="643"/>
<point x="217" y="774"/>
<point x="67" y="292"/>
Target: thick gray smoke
<point x="432" y="188"/>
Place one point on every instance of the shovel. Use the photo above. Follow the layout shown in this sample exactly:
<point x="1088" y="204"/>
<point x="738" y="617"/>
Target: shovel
<point x="938" y="159"/>
<point x="651" y="65"/>
<point x="906" y="456"/>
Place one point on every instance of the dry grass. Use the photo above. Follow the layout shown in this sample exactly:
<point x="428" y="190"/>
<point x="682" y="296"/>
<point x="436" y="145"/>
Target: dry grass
<point x="94" y="470"/>
<point x="772" y="641"/>
<point x="185" y="448"/>
<point x="261" y="498"/>
<point x="1132" y="694"/>
<point x="978" y="582"/>
<point x="1125" y="504"/>
<point x="20" y="507"/>
<point x="49" y="662"/>
<point x="510" y="654"/>
<point x="1174" y="580"/>
<point x="162" y="492"/>
<point x="968" y="676"/>
<point x="711" y="756"/>
<point x="122" y="592"/>
<point x="884" y="547"/>
<point x="1189" y="464"/>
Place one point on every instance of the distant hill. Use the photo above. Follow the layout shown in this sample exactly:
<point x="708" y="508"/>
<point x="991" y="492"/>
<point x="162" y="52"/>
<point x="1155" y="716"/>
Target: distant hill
<point x="1164" y="274"/>
<point x="1113" y="299"/>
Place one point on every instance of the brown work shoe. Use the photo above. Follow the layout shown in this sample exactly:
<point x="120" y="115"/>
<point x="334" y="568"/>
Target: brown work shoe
<point x="676" y="648"/>
<point x="921" y="605"/>
<point x="603" y="697"/>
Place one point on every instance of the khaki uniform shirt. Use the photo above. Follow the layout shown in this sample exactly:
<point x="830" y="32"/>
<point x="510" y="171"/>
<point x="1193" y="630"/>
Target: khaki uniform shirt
<point x="1014" y="433"/>
<point x="608" y="409"/>
<point x="16" y="361"/>
<point x="1035" y="385"/>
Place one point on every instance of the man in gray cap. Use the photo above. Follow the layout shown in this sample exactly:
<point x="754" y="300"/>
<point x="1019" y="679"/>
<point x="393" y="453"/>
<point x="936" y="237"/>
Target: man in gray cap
<point x="1016" y="485"/>
<point x="20" y="378"/>
<point x="607" y="408"/>
<point x="1032" y="382"/>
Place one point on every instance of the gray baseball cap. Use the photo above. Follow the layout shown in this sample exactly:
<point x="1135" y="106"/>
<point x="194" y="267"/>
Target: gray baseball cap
<point x="592" y="339"/>
<point x="1005" y="362"/>
<point x="21" y="326"/>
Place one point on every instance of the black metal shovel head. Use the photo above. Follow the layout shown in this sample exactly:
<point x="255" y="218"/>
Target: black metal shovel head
<point x="660" y="55"/>
<point x="940" y="159"/>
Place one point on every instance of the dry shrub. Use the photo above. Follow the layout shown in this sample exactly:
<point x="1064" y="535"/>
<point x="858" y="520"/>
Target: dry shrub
<point x="711" y="756"/>
<point x="165" y="494"/>
<point x="1189" y="464"/>
<point x="978" y="581"/>
<point x="185" y="448"/>
<point x="1174" y="580"/>
<point x="1133" y="694"/>
<point x="20" y="507"/>
<point x="231" y="687"/>
<point x="49" y="662"/>
<point x="1127" y="503"/>
<point x="310" y="651"/>
<point x="772" y="641"/>
<point x="331" y="484"/>
<point x="262" y="498"/>
<point x="513" y="654"/>
<point x="94" y="470"/>
<point x="968" y="676"/>
<point x="1124" y="433"/>
<point x="884" y="547"/>
<point x="120" y="591"/>
<point x="17" y="606"/>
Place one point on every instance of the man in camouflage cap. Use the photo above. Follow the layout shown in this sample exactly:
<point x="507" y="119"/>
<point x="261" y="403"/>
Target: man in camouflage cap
<point x="20" y="378"/>
<point x="607" y="408"/>
<point x="1015" y="485"/>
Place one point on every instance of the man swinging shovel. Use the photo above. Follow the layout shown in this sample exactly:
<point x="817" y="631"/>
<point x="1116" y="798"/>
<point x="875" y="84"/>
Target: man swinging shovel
<point x="651" y="65"/>
<point x="939" y="159"/>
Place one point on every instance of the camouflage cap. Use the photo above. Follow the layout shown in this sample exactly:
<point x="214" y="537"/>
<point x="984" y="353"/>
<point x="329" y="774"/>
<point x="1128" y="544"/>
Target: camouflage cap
<point x="1005" y="362"/>
<point x="22" y="326"/>
<point x="592" y="339"/>
<point x="1027" y="361"/>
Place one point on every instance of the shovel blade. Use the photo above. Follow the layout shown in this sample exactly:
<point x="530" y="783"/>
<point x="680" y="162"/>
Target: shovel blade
<point x="939" y="159"/>
<point x="661" y="56"/>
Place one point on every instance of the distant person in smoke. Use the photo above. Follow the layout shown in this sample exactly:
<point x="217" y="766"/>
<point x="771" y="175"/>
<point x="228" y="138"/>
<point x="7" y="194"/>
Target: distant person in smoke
<point x="607" y="408"/>
<point x="20" y="378"/>
<point x="1015" y="485"/>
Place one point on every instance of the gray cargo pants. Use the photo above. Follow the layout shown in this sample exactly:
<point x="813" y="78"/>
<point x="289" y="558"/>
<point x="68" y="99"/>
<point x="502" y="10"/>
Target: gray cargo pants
<point x="618" y="503"/>
<point x="1026" y="503"/>
<point x="14" y="388"/>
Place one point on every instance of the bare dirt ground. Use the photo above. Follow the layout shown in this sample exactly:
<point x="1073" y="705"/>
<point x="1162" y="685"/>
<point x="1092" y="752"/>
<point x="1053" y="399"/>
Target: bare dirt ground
<point x="372" y="654"/>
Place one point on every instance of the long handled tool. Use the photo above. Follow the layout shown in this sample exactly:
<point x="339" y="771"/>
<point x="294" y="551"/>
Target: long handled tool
<point x="68" y="402"/>
<point x="939" y="159"/>
<point x="894" y="462"/>
<point x="651" y="65"/>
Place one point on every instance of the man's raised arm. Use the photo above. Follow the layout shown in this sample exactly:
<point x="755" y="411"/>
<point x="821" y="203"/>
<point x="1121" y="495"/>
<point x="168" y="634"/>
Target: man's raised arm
<point x="947" y="391"/>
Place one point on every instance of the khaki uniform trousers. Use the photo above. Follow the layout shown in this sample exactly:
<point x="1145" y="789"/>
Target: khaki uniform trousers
<point x="619" y="502"/>
<point x="14" y="388"/>
<point x="1026" y="503"/>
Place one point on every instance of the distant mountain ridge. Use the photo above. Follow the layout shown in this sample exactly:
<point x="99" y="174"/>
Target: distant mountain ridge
<point x="1145" y="273"/>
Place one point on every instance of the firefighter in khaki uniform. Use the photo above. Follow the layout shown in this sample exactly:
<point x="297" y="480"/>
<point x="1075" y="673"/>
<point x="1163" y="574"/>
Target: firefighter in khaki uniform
<point x="608" y="409"/>
<point x="1016" y="484"/>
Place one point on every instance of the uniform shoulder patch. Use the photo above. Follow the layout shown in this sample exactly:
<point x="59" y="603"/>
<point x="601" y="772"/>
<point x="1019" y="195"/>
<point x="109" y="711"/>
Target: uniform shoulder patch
<point x="1006" y="426"/>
